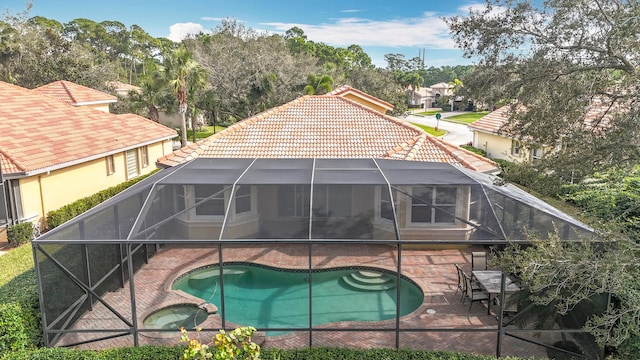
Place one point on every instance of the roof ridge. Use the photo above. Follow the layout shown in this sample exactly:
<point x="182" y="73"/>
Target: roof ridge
<point x="67" y="90"/>
<point x="447" y="148"/>
<point x="377" y="113"/>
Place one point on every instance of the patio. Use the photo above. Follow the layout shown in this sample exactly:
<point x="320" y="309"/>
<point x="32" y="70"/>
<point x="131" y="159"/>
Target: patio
<point x="433" y="270"/>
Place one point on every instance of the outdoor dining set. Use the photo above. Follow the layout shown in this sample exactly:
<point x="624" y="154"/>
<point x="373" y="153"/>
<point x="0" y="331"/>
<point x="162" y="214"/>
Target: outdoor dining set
<point x="485" y="284"/>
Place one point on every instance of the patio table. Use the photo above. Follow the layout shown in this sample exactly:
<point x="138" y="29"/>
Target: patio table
<point x="490" y="280"/>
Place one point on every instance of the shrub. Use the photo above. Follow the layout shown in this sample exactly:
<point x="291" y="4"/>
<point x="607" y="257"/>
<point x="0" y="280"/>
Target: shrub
<point x="19" y="327"/>
<point x="475" y="150"/>
<point x="20" y="234"/>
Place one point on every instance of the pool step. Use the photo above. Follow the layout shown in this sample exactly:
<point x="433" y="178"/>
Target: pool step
<point x="370" y="280"/>
<point x="203" y="279"/>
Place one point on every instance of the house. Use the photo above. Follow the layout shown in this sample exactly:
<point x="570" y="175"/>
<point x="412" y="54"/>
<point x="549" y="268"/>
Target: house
<point x="59" y="148"/>
<point x="77" y="95"/>
<point x="327" y="126"/>
<point x="490" y="135"/>
<point x="427" y="97"/>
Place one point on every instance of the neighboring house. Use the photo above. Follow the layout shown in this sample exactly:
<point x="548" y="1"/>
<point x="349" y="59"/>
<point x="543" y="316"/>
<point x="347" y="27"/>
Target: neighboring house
<point x="489" y="135"/>
<point x="53" y="152"/>
<point x="77" y="95"/>
<point x="327" y="126"/>
<point x="426" y="97"/>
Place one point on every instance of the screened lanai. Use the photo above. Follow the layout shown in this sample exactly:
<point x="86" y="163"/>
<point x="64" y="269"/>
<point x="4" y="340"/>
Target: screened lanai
<point x="211" y="208"/>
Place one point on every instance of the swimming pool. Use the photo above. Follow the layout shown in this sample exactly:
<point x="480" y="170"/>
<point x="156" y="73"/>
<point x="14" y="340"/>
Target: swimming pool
<point x="266" y="297"/>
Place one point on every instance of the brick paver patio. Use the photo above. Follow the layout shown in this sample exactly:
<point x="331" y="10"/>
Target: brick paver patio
<point x="432" y="270"/>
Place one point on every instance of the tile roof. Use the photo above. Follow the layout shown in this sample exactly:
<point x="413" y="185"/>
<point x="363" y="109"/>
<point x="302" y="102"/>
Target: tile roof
<point x="38" y="132"/>
<point x="326" y="126"/>
<point x="492" y="122"/>
<point x="596" y="115"/>
<point x="75" y="94"/>
<point x="346" y="89"/>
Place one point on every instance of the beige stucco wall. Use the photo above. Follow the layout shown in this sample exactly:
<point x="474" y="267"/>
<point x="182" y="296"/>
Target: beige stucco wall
<point x="101" y="107"/>
<point x="498" y="147"/>
<point x="50" y="191"/>
<point x="364" y="102"/>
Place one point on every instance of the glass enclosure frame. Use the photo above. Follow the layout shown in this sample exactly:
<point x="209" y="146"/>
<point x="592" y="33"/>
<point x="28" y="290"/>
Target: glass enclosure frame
<point x="302" y="203"/>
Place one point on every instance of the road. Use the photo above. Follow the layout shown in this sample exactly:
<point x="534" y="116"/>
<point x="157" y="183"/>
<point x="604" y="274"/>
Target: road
<point x="457" y="134"/>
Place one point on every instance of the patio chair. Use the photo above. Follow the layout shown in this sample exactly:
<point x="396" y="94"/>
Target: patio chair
<point x="479" y="260"/>
<point x="461" y="284"/>
<point x="474" y="293"/>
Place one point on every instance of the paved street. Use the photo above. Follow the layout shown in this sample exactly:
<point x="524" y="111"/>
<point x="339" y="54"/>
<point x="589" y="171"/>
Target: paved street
<point x="457" y="134"/>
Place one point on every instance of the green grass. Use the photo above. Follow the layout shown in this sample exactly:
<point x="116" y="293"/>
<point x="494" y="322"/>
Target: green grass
<point x="467" y="118"/>
<point x="17" y="276"/>
<point x="428" y="113"/>
<point x="205" y="133"/>
<point x="430" y="130"/>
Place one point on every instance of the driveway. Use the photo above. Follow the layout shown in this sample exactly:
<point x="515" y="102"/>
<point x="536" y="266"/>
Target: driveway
<point x="457" y="134"/>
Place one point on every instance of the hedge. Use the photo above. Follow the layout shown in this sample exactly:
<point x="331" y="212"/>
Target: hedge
<point x="20" y="234"/>
<point x="58" y="217"/>
<point x="175" y="353"/>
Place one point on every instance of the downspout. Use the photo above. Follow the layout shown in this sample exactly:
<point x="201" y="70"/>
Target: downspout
<point x="43" y="217"/>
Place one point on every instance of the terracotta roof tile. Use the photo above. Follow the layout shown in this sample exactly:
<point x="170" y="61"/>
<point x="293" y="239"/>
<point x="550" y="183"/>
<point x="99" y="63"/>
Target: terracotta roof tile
<point x="74" y="94"/>
<point x="38" y="132"/>
<point x="326" y="126"/>
<point x="492" y="122"/>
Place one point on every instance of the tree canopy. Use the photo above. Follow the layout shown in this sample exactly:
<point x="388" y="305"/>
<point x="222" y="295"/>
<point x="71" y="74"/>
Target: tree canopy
<point x="570" y="69"/>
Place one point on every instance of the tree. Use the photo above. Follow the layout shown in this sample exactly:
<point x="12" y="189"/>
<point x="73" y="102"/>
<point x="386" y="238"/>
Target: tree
<point x="562" y="275"/>
<point x="250" y="71"/>
<point x="572" y="65"/>
<point x="182" y="72"/>
<point x="151" y="97"/>
<point x="318" y="84"/>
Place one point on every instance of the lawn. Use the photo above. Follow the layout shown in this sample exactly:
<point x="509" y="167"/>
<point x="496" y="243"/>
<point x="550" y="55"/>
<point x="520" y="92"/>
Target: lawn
<point x="467" y="118"/>
<point x="428" y="113"/>
<point x="205" y="132"/>
<point x="431" y="130"/>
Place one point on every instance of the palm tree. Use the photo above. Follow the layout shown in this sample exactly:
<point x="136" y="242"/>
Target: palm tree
<point x="318" y="84"/>
<point x="413" y="80"/>
<point x="182" y="72"/>
<point x="150" y="98"/>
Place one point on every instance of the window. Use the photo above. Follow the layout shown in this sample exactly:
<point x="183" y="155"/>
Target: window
<point x="516" y="147"/>
<point x="332" y="200"/>
<point x="144" y="153"/>
<point x="209" y="199"/>
<point x="111" y="165"/>
<point x="435" y="205"/>
<point x="386" y="206"/>
<point x="536" y="153"/>
<point x="293" y="201"/>
<point x="132" y="163"/>
<point x="243" y="199"/>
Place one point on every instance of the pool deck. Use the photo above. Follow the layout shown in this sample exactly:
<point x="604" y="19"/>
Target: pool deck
<point x="442" y="311"/>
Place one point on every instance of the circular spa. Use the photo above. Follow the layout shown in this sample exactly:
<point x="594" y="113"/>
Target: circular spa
<point x="266" y="297"/>
<point x="176" y="316"/>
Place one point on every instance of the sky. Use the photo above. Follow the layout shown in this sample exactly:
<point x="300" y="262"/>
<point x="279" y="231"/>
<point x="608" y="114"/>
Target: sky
<point x="406" y="27"/>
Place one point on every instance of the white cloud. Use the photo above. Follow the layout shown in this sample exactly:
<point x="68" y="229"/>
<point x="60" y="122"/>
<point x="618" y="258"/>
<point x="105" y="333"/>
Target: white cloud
<point x="179" y="31"/>
<point x="350" y="11"/>
<point x="427" y="31"/>
<point x="210" y="18"/>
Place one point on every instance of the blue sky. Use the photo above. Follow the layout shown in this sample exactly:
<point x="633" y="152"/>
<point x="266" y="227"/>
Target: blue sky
<point x="380" y="27"/>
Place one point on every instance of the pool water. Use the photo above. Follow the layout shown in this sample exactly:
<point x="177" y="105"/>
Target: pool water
<point x="275" y="298"/>
<point x="175" y="317"/>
